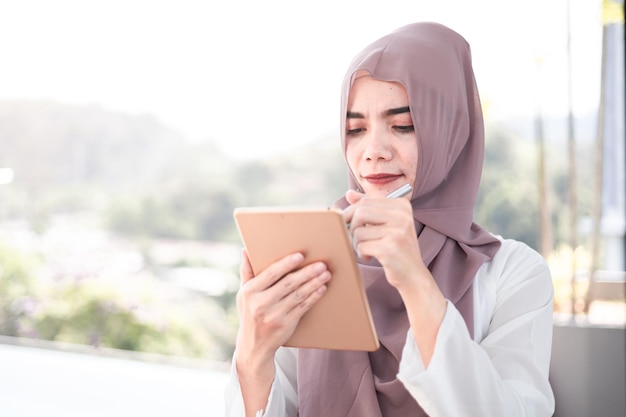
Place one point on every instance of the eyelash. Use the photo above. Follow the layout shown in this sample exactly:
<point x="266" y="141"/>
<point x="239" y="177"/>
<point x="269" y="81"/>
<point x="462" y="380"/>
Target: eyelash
<point x="401" y="129"/>
<point x="405" y="129"/>
<point x="353" y="132"/>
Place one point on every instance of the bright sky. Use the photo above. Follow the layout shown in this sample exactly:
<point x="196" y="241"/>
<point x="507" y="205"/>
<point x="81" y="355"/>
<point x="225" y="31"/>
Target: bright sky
<point x="258" y="77"/>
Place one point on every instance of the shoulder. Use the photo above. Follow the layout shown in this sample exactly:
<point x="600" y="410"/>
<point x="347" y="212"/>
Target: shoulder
<point x="516" y="263"/>
<point x="516" y="254"/>
<point x="516" y="279"/>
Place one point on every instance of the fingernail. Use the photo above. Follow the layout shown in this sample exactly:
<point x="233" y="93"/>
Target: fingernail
<point x="325" y="276"/>
<point x="319" y="267"/>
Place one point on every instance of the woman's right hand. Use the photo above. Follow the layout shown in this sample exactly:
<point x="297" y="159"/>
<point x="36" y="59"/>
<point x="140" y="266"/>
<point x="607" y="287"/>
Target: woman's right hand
<point x="270" y="306"/>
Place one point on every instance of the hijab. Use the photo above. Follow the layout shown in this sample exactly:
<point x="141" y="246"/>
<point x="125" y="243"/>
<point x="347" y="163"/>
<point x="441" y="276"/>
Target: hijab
<point x="433" y="63"/>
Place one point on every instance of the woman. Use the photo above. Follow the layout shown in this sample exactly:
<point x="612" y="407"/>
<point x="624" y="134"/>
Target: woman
<point x="464" y="318"/>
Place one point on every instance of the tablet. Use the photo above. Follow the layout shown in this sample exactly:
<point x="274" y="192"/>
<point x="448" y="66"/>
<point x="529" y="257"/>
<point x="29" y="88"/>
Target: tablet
<point x="341" y="319"/>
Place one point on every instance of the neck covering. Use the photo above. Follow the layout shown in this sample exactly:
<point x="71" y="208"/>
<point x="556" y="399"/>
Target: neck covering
<point x="433" y="63"/>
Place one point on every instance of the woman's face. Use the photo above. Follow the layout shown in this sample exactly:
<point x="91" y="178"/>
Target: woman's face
<point x="381" y="143"/>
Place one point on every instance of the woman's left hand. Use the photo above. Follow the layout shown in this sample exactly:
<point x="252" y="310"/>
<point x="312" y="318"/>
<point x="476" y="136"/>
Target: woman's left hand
<point x="384" y="228"/>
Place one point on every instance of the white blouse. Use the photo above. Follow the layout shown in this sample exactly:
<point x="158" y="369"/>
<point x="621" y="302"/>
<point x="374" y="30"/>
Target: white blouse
<point x="502" y="372"/>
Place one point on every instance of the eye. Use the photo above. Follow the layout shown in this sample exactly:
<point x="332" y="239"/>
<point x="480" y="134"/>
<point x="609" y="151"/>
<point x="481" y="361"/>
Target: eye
<point x="356" y="131"/>
<point x="404" y="129"/>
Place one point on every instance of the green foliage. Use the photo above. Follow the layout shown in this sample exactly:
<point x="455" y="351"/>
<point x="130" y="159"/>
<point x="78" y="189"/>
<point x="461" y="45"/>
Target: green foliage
<point x="508" y="199"/>
<point x="93" y="312"/>
<point x="179" y="210"/>
<point x="16" y="289"/>
<point x="86" y="313"/>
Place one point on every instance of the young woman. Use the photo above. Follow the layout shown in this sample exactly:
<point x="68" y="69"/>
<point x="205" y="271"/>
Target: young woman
<point x="464" y="317"/>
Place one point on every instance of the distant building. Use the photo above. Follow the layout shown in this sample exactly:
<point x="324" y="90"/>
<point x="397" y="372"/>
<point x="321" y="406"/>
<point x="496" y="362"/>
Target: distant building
<point x="613" y="184"/>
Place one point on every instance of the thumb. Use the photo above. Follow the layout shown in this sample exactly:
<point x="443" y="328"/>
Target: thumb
<point x="354" y="196"/>
<point x="245" y="269"/>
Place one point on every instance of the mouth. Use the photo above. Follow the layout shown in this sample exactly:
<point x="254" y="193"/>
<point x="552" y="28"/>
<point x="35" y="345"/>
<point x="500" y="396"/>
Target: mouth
<point x="381" y="178"/>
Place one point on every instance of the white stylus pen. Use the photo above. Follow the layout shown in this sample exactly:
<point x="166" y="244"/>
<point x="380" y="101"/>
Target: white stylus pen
<point x="400" y="192"/>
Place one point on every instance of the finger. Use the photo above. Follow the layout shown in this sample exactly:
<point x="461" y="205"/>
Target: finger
<point x="385" y="241"/>
<point x="274" y="316"/>
<point x="354" y="196"/>
<point x="309" y="294"/>
<point x="367" y="234"/>
<point x="294" y="281"/>
<point x="273" y="273"/>
<point x="371" y="228"/>
<point x="373" y="211"/>
<point x="367" y="214"/>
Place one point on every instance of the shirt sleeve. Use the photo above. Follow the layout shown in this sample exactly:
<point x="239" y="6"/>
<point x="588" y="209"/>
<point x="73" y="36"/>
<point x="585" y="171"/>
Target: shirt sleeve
<point x="283" y="398"/>
<point x="505" y="373"/>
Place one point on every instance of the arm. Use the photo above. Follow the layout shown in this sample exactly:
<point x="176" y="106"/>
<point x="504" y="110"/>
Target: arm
<point x="385" y="229"/>
<point x="283" y="397"/>
<point x="270" y="306"/>
<point x="505" y="374"/>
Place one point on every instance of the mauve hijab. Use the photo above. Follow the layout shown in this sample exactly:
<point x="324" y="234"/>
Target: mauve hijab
<point x="433" y="63"/>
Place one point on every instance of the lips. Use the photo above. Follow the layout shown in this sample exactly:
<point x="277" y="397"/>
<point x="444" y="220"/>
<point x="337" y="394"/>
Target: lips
<point x="381" y="178"/>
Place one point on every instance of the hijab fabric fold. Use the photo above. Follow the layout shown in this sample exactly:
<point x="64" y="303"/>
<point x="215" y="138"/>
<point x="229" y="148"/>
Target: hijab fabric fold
<point x="433" y="63"/>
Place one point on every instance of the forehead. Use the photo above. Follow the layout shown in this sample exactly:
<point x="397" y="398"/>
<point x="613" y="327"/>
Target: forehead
<point x="369" y="91"/>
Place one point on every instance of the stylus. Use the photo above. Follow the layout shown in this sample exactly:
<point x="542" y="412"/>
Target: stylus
<point x="400" y="192"/>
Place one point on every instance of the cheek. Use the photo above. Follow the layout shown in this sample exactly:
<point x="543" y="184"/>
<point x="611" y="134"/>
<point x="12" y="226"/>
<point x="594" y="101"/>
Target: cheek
<point x="410" y="160"/>
<point x="413" y="173"/>
<point x="352" y="156"/>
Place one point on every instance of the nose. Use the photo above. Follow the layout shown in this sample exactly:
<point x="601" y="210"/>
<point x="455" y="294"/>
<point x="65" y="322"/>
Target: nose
<point x="377" y="145"/>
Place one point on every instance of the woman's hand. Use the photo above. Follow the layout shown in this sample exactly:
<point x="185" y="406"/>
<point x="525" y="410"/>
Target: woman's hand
<point x="271" y="303"/>
<point x="270" y="306"/>
<point x="384" y="228"/>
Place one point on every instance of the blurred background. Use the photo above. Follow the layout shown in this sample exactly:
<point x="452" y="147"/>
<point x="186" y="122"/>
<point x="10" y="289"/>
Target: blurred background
<point x="130" y="130"/>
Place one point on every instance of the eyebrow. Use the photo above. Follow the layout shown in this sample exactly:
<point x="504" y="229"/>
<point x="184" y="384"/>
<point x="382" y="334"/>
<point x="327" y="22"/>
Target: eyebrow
<point x="398" y="110"/>
<point x="390" y="112"/>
